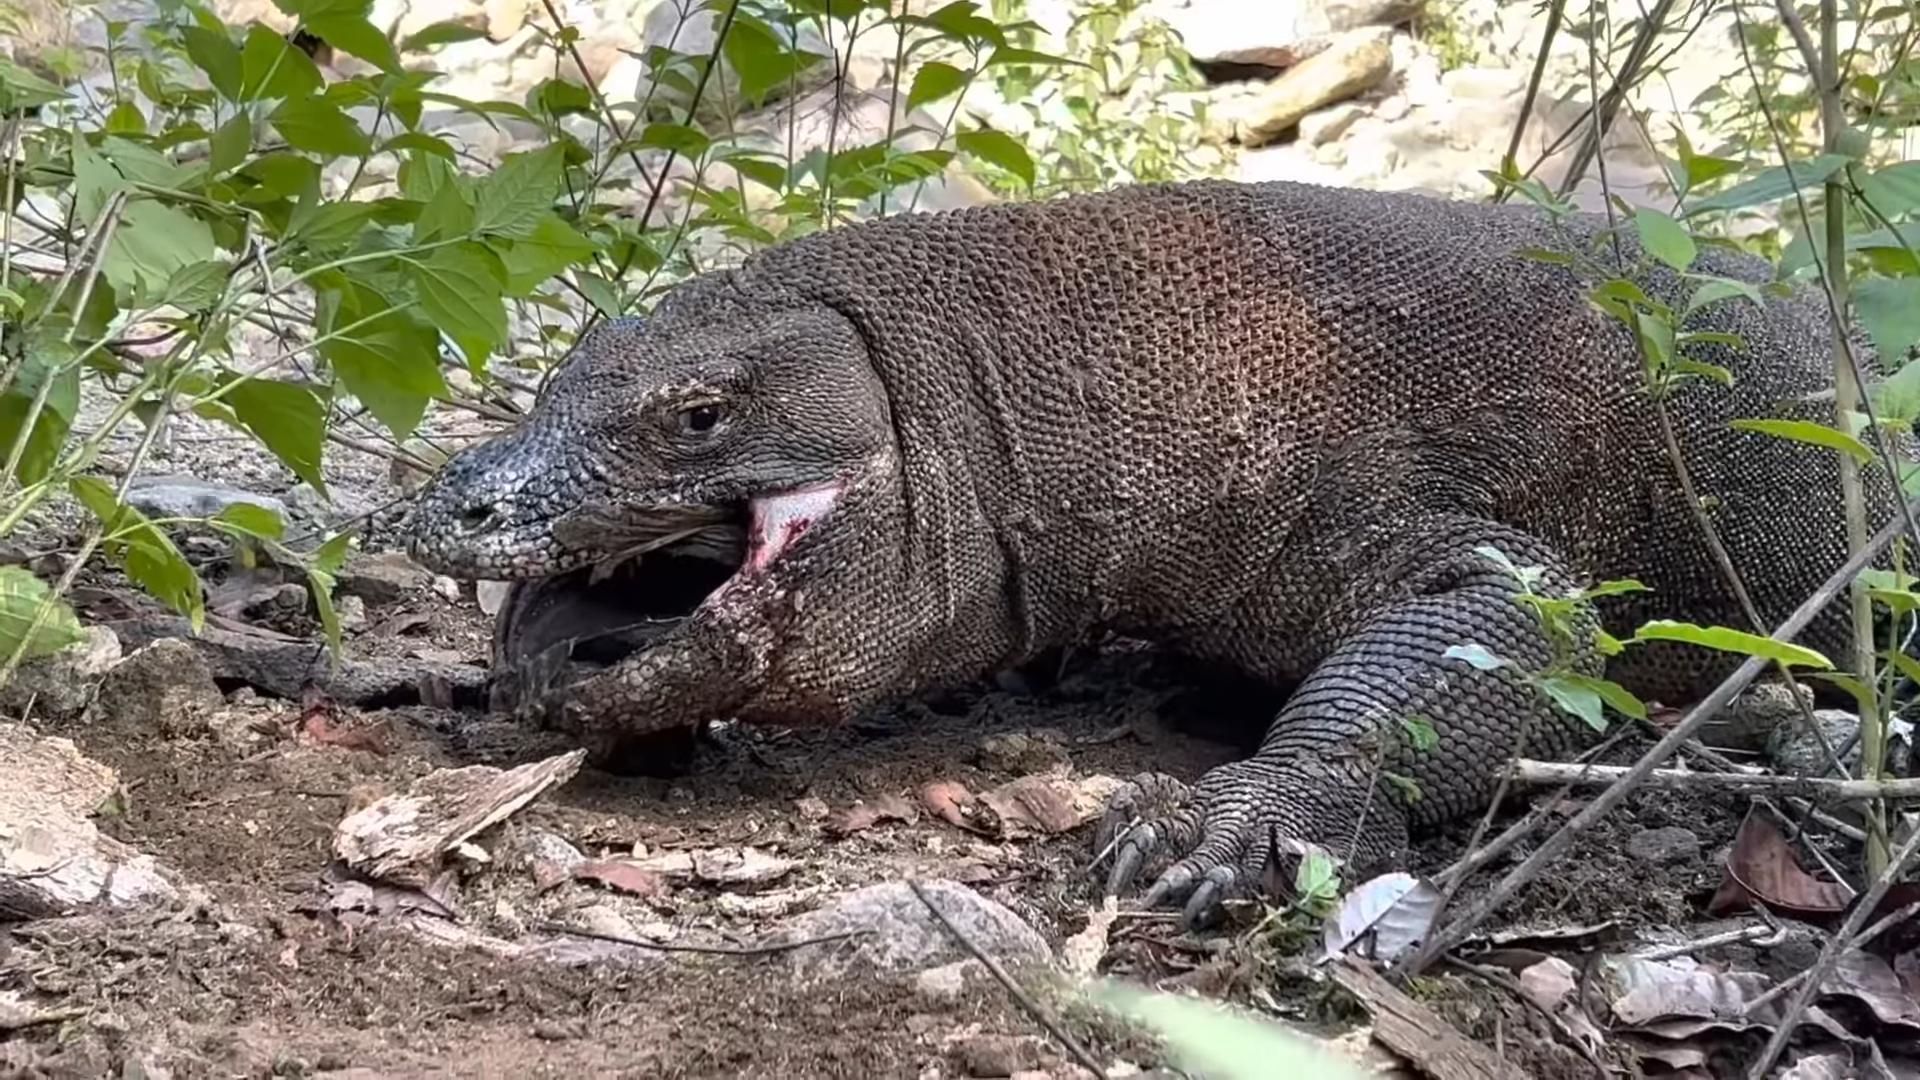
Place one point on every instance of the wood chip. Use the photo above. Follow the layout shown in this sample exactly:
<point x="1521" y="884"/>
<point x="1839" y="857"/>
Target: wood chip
<point x="401" y="838"/>
<point x="1416" y="1032"/>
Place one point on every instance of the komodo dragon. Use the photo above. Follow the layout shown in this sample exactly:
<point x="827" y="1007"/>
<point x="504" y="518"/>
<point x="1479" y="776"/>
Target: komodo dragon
<point x="1265" y="424"/>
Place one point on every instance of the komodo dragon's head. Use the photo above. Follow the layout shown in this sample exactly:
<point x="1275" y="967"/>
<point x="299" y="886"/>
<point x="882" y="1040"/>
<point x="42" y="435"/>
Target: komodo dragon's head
<point x="721" y="459"/>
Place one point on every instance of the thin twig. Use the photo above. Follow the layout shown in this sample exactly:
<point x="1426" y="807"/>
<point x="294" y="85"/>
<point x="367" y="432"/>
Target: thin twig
<point x="1730" y="687"/>
<point x="764" y="949"/>
<point x="1033" y="1008"/>
<point x="1799" y="978"/>
<point x="1730" y="937"/>
<point x="1559" y="772"/>
<point x="1512" y="986"/>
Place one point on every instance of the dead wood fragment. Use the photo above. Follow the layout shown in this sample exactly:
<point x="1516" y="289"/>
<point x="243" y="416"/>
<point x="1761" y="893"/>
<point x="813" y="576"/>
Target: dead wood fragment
<point x="1416" y="1032"/>
<point x="53" y="858"/>
<point x="1559" y="772"/>
<point x="400" y="838"/>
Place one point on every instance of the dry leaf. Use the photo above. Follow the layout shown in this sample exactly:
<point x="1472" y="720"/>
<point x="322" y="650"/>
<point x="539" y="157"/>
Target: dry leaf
<point x="623" y="875"/>
<point x="1761" y="868"/>
<point x="864" y="815"/>
<point x="1394" y="910"/>
<point x="948" y="800"/>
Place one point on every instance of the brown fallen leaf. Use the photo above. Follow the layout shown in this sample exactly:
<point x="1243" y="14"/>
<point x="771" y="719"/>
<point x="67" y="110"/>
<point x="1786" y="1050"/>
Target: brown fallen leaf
<point x="625" y="876"/>
<point x="865" y="815"/>
<point x="1762" y="869"/>
<point x="1033" y="805"/>
<point x="949" y="800"/>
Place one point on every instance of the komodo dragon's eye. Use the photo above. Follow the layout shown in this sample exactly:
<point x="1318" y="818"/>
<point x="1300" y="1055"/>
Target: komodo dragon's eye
<point x="700" y="419"/>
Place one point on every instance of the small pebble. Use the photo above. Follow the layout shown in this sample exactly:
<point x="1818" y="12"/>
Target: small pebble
<point x="1666" y="846"/>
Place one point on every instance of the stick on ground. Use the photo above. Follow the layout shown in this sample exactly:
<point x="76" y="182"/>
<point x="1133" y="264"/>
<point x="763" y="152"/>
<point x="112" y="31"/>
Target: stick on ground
<point x="1555" y="772"/>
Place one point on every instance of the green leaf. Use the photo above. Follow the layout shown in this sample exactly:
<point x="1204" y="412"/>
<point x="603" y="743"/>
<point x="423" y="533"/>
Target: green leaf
<point x="143" y="550"/>
<point x="289" y="418"/>
<point x="460" y="291"/>
<point x="686" y="141"/>
<point x="1477" y="655"/>
<point x="934" y="81"/>
<point x="1009" y="55"/>
<point x="1890" y="310"/>
<point x="1774" y="184"/>
<point x="255" y="521"/>
<point x="1317" y="877"/>
<point x="1897" y="398"/>
<point x="320" y="587"/>
<point x="231" y="144"/>
<point x="1615" y="587"/>
<point x="272" y="68"/>
<point x="1893" y="191"/>
<point x="1420" y="733"/>
<point x="215" y="54"/>
<point x="317" y="126"/>
<point x="1807" y="431"/>
<point x="1576" y="700"/>
<point x="47" y="359"/>
<point x="22" y="89"/>
<point x="21" y="597"/>
<point x="421" y="141"/>
<point x="153" y="243"/>
<point x="391" y="363"/>
<point x="126" y="119"/>
<point x="446" y="215"/>
<point x="353" y="34"/>
<point x="998" y="148"/>
<point x="1712" y="290"/>
<point x="553" y="246"/>
<point x="511" y="200"/>
<point x="197" y="286"/>
<point x="1665" y="239"/>
<point x="1727" y="639"/>
<point x="763" y="61"/>
<point x="446" y="32"/>
<point x="1583" y="696"/>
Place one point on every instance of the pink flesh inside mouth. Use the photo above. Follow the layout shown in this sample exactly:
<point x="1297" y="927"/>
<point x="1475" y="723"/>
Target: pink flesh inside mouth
<point x="776" y="521"/>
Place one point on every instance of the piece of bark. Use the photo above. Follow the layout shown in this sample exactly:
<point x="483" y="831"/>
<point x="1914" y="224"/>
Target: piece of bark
<point x="400" y="838"/>
<point x="1416" y="1032"/>
<point x="53" y="859"/>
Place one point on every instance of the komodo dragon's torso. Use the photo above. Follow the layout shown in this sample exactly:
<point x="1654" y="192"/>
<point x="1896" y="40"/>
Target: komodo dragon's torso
<point x="1265" y="424"/>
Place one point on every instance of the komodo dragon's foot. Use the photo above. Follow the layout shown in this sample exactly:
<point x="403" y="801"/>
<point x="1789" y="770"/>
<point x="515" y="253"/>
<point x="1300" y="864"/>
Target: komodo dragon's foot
<point x="1238" y="831"/>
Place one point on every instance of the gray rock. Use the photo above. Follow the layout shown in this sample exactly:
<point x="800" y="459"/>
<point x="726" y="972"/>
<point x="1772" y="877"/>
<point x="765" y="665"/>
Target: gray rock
<point x="1668" y="845"/>
<point x="943" y="985"/>
<point x="1325" y="125"/>
<point x="383" y="577"/>
<point x="166" y="687"/>
<point x="60" y="685"/>
<point x="997" y="1055"/>
<point x="1276" y="35"/>
<point x="1355" y="62"/>
<point x="902" y="935"/>
<point x="187" y="496"/>
<point x="1796" y="752"/>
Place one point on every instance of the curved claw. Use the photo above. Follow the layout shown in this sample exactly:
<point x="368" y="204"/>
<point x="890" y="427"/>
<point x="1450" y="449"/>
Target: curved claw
<point x="1129" y="857"/>
<point x="1204" y="907"/>
<point x="1171" y="885"/>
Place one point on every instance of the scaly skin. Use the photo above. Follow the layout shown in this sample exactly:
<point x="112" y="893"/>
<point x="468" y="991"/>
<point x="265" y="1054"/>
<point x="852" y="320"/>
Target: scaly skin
<point x="1263" y="424"/>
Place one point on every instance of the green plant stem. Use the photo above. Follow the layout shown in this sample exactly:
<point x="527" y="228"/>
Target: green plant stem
<point x="110" y="218"/>
<point x="94" y="539"/>
<point x="1609" y="103"/>
<point x="1850" y="397"/>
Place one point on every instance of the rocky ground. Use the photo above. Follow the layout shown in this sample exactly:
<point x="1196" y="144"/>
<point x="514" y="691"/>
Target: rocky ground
<point x="219" y="856"/>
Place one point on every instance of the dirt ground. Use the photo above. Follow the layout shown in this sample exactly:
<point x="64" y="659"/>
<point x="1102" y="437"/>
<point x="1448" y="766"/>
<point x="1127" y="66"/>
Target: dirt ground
<point x="272" y="975"/>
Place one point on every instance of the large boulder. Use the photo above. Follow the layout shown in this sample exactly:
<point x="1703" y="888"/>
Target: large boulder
<point x="1230" y="38"/>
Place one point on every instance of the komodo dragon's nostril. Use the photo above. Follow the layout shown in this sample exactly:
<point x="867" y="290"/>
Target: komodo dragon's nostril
<point x="478" y="517"/>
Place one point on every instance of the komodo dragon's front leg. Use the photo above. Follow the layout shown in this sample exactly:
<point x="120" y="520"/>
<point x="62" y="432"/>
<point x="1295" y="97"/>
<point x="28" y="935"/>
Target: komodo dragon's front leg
<point x="1320" y="774"/>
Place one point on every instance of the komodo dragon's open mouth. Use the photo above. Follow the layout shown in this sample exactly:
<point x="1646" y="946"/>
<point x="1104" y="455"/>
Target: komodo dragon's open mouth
<point x="665" y="564"/>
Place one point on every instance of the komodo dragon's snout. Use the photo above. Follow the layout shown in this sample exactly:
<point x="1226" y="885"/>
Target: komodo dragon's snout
<point x="685" y="483"/>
